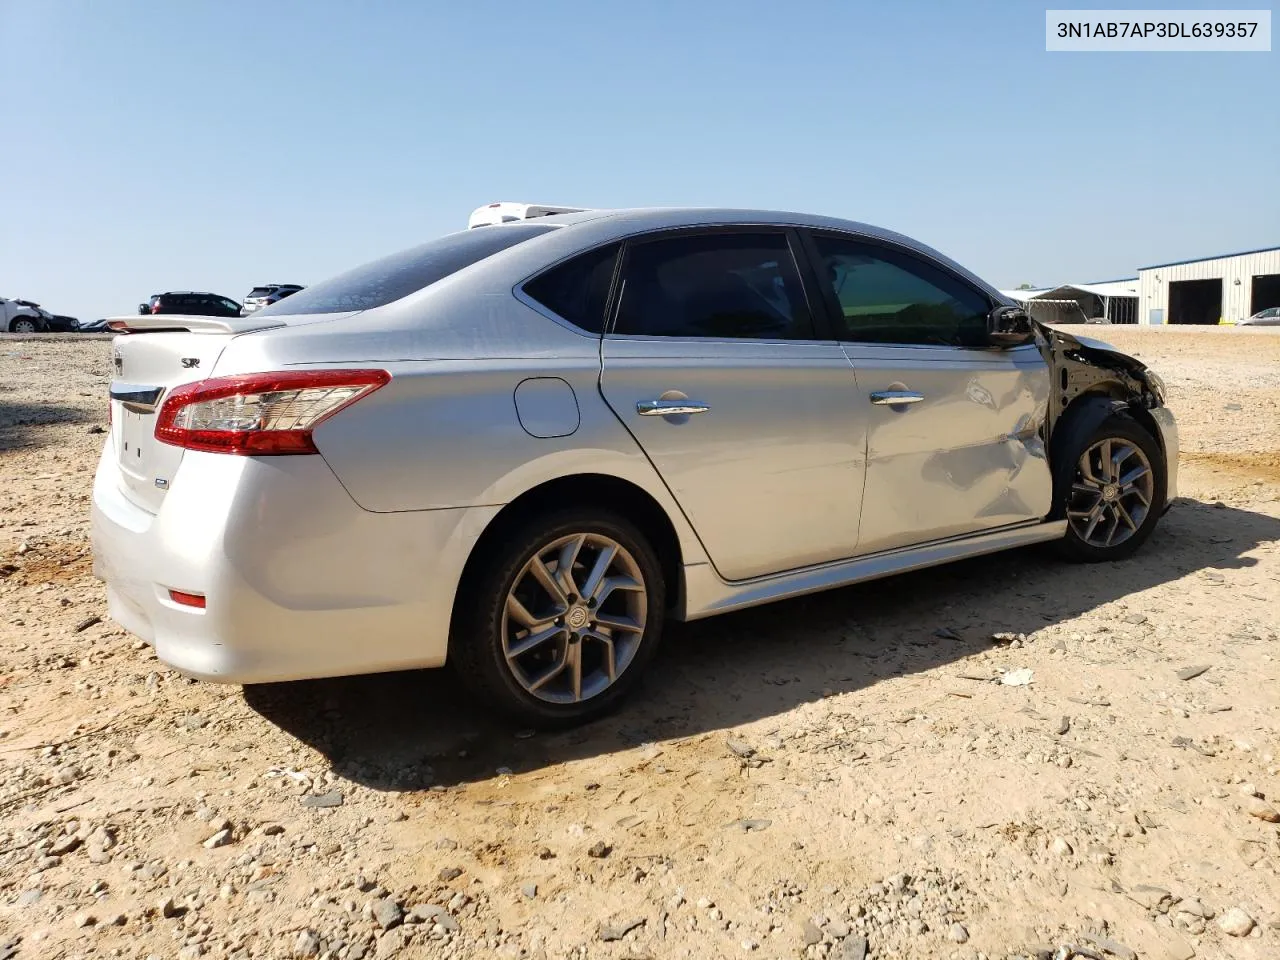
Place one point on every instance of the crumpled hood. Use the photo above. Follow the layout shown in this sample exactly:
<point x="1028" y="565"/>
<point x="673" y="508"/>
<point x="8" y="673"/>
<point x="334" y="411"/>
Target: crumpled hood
<point x="1097" y="350"/>
<point x="1093" y="344"/>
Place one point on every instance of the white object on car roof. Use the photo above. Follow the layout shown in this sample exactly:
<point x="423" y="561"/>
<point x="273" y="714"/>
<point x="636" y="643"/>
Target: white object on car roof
<point x="506" y="212"/>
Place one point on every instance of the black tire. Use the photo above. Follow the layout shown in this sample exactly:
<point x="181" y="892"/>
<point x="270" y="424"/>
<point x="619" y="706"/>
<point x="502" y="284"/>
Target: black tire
<point x="1124" y="430"/>
<point x="476" y="639"/>
<point x="24" y="321"/>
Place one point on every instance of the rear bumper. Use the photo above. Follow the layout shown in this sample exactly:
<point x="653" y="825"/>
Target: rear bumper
<point x="1168" y="428"/>
<point x="299" y="581"/>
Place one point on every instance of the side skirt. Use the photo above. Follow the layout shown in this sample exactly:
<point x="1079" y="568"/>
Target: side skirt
<point x="707" y="595"/>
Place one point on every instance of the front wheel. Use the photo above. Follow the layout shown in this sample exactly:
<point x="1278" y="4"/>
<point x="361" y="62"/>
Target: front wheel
<point x="23" y="325"/>
<point x="1116" y="494"/>
<point x="560" y="618"/>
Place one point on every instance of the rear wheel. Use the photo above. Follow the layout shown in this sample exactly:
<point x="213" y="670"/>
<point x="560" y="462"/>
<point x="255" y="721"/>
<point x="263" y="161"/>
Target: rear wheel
<point x="1116" y="493"/>
<point x="23" y="325"/>
<point x="560" y="617"/>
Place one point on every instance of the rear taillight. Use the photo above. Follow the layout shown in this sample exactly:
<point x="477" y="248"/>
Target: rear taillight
<point x="260" y="414"/>
<point x="155" y="308"/>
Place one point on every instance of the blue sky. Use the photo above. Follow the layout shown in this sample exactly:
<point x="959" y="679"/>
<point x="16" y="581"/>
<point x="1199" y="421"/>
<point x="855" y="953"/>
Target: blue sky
<point x="215" y="144"/>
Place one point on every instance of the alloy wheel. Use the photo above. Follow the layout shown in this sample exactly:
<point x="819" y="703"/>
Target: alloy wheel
<point x="1112" y="492"/>
<point x="574" y="618"/>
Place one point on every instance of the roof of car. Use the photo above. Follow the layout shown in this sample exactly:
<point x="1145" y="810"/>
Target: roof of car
<point x="658" y="218"/>
<point x="618" y="223"/>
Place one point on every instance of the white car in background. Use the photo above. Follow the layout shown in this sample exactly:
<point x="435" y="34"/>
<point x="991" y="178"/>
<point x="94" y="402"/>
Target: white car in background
<point x="267" y="294"/>
<point x="22" y="316"/>
<point x="505" y="211"/>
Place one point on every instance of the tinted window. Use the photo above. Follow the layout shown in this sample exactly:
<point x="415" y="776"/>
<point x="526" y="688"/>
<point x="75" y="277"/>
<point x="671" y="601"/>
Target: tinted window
<point x="732" y="285"/>
<point x="577" y="289"/>
<point x="887" y="296"/>
<point x="259" y="292"/>
<point x="391" y="278"/>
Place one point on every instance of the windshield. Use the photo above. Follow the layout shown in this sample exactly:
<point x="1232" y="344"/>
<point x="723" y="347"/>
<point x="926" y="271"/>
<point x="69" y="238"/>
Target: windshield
<point x="392" y="278"/>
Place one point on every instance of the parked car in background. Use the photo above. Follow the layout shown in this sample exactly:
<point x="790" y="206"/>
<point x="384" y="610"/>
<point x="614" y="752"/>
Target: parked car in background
<point x="506" y="211"/>
<point x="23" y="316"/>
<point x="189" y="303"/>
<point x="519" y="448"/>
<point x="62" y="324"/>
<point x="1263" y="318"/>
<point x="266" y="295"/>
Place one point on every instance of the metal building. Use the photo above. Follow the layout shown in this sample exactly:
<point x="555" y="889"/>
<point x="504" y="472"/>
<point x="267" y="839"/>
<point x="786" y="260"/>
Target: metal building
<point x="1107" y="301"/>
<point x="1223" y="289"/>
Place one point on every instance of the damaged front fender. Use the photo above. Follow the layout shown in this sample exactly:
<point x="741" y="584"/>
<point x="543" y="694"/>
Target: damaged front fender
<point x="1092" y="381"/>
<point x="1084" y="367"/>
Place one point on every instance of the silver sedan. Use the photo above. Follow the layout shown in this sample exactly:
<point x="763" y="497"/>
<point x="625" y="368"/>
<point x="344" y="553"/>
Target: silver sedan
<point x="519" y="448"/>
<point x="1263" y="318"/>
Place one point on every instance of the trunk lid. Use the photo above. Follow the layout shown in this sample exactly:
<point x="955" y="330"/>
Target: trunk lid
<point x="166" y="352"/>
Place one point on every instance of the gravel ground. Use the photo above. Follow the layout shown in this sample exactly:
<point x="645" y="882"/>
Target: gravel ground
<point x="836" y="777"/>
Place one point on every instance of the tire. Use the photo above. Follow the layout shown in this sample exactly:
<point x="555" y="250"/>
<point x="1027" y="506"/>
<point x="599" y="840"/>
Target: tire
<point x="505" y="600"/>
<point x="23" y="325"/>
<point x="1096" y="505"/>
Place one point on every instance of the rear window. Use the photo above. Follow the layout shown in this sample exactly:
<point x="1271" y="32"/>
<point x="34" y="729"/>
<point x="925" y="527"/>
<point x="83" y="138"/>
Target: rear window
<point x="392" y="278"/>
<point x="259" y="292"/>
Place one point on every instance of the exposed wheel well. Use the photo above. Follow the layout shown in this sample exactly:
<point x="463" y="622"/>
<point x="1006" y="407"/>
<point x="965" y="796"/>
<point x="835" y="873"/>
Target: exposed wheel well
<point x="1114" y="391"/>
<point x="611" y="493"/>
<point x="1084" y="413"/>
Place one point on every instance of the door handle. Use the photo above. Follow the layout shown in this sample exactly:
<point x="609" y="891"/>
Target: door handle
<point x="891" y="398"/>
<point x="669" y="408"/>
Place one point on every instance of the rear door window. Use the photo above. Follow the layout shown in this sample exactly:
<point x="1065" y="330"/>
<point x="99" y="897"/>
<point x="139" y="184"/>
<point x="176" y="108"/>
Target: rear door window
<point x="721" y="285"/>
<point x="392" y="278"/>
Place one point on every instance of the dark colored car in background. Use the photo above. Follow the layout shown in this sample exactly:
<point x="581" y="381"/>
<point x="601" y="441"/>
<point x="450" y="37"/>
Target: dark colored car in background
<point x="58" y="323"/>
<point x="191" y="304"/>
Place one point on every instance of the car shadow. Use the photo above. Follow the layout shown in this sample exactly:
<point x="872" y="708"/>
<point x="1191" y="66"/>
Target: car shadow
<point x="21" y="421"/>
<point x="415" y="730"/>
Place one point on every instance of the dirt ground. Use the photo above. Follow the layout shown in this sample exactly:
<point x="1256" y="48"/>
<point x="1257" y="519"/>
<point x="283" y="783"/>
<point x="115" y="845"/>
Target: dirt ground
<point x="833" y="777"/>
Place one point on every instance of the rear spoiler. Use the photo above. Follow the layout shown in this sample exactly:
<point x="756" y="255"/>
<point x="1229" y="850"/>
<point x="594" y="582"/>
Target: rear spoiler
<point x="160" y="322"/>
